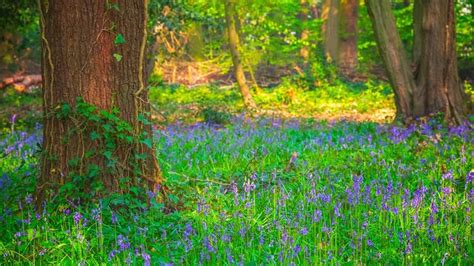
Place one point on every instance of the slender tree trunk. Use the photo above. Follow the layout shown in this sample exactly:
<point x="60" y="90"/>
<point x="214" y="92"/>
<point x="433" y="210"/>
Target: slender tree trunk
<point x="234" y="43"/>
<point x="347" y="59"/>
<point x="393" y="55"/>
<point x="303" y="16"/>
<point x="439" y="88"/>
<point x="314" y="9"/>
<point x="79" y="41"/>
<point x="330" y="17"/>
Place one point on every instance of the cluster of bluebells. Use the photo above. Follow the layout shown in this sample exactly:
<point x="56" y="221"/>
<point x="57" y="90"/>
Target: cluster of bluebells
<point x="290" y="193"/>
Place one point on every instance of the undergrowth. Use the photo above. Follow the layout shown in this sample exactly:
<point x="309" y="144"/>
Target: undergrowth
<point x="263" y="192"/>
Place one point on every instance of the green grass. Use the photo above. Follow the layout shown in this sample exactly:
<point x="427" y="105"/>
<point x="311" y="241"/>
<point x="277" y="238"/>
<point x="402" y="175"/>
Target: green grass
<point x="266" y="192"/>
<point x="259" y="191"/>
<point x="361" y="102"/>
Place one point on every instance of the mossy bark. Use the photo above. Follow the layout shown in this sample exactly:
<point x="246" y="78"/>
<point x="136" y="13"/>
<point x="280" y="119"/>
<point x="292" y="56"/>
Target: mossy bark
<point x="79" y="44"/>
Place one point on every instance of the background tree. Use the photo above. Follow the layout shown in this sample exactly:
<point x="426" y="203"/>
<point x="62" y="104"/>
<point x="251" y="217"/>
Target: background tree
<point x="103" y="65"/>
<point x="234" y="45"/>
<point x="436" y="87"/>
<point x="340" y="33"/>
<point x="304" y="35"/>
<point x="347" y="52"/>
<point x="330" y="16"/>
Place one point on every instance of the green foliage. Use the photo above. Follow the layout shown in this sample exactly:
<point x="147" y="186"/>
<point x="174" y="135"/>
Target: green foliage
<point x="362" y="101"/>
<point x="110" y="134"/>
<point x="246" y="197"/>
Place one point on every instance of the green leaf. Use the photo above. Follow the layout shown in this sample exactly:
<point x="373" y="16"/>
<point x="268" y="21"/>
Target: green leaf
<point x="94" y="135"/>
<point x="118" y="57"/>
<point x="148" y="142"/>
<point x="119" y="39"/>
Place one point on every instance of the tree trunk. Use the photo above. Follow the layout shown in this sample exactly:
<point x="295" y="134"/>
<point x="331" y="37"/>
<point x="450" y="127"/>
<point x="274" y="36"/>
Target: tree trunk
<point x="347" y="59"/>
<point x="234" y="43"/>
<point x="314" y="9"/>
<point x="393" y="55"/>
<point x="436" y="87"/>
<point x="80" y="39"/>
<point x="330" y="16"/>
<point x="439" y="89"/>
<point x="417" y="18"/>
<point x="195" y="45"/>
<point x="303" y="16"/>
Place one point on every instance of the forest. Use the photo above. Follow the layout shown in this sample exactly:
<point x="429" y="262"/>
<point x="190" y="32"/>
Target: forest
<point x="236" y="132"/>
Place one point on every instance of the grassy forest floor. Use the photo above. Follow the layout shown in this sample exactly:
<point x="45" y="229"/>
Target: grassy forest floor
<point x="327" y="180"/>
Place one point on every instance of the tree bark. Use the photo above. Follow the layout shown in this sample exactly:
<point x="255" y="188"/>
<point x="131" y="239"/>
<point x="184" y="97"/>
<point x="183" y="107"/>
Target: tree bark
<point x="417" y="19"/>
<point x="234" y="44"/>
<point x="437" y="78"/>
<point x="304" y="36"/>
<point x="436" y="87"/>
<point x="330" y="16"/>
<point x="79" y="43"/>
<point x="347" y="58"/>
<point x="393" y="55"/>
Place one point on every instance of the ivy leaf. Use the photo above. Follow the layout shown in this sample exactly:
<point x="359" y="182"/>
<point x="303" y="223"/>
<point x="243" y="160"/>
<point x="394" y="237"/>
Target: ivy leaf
<point x="94" y="135"/>
<point x="148" y="142"/>
<point x="119" y="39"/>
<point x="118" y="57"/>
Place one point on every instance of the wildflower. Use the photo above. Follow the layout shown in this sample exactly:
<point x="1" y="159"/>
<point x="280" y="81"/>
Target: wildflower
<point x="229" y="256"/>
<point x="284" y="237"/>
<point x="146" y="259"/>
<point x="112" y="255"/>
<point x="337" y="210"/>
<point x="29" y="199"/>
<point x="408" y="248"/>
<point x="249" y="186"/>
<point x="67" y="211"/>
<point x="447" y="176"/>
<point x="446" y="191"/>
<point x="114" y="218"/>
<point x="123" y="243"/>
<point x="370" y="243"/>
<point x="96" y="215"/>
<point x="188" y="232"/>
<point x="304" y="231"/>
<point x="254" y="176"/>
<point x="13" y="118"/>
<point x="150" y="194"/>
<point x="296" y="250"/>
<point x="469" y="177"/>
<point x="77" y="218"/>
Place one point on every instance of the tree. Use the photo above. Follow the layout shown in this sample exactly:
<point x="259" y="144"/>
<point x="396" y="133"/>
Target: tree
<point x="330" y="16"/>
<point x="347" y="52"/>
<point x="340" y="33"/>
<point x="95" y="100"/>
<point x="435" y="87"/>
<point x="304" y="35"/>
<point x="234" y="44"/>
<point x="436" y="74"/>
